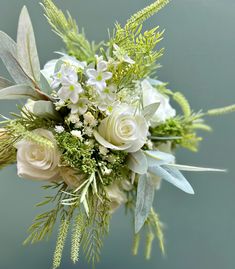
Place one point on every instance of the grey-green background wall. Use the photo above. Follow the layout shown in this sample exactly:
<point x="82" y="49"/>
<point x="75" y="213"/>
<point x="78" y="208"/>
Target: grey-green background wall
<point x="199" y="61"/>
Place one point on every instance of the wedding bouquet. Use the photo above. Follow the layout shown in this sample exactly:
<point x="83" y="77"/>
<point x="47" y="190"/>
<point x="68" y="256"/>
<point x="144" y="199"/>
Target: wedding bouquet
<point x="98" y="127"/>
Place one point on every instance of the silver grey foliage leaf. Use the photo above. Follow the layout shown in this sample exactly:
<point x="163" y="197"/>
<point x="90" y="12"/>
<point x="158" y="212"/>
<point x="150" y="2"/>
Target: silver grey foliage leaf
<point x="150" y="110"/>
<point x="45" y="109"/>
<point x="137" y="162"/>
<point x="144" y="200"/>
<point x="8" y="54"/>
<point x="173" y="176"/>
<point x="20" y="91"/>
<point x="26" y="46"/>
<point x="4" y="83"/>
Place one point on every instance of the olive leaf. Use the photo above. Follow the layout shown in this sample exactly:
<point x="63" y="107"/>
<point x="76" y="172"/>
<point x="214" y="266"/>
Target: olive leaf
<point x="20" y="91"/>
<point x="4" y="83"/>
<point x="144" y="200"/>
<point x="26" y="47"/>
<point x="8" y="54"/>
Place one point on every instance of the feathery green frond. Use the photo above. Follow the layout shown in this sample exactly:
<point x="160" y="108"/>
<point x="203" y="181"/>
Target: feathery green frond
<point x="144" y="14"/>
<point x="221" y="111"/>
<point x="67" y="29"/>
<point x="158" y="229"/>
<point x="62" y="235"/>
<point x="183" y="103"/>
<point x="76" y="237"/>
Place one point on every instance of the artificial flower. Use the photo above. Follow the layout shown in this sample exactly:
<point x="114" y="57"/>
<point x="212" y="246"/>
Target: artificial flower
<point x="37" y="161"/>
<point x="152" y="95"/>
<point x="123" y="130"/>
<point x="98" y="77"/>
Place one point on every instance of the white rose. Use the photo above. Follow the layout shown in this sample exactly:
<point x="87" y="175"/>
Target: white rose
<point x="150" y="96"/>
<point x="123" y="130"/>
<point x="116" y="196"/>
<point x="71" y="177"/>
<point x="35" y="161"/>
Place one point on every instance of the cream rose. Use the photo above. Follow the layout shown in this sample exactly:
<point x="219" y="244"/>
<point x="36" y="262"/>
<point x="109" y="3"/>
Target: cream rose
<point x="71" y="177"/>
<point x="123" y="130"/>
<point x="38" y="162"/>
<point x="116" y="196"/>
<point x="150" y="96"/>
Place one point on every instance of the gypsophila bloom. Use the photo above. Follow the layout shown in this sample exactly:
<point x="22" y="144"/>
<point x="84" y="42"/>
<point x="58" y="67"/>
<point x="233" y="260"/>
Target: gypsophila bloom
<point x="73" y="118"/>
<point x="88" y="131"/>
<point x="77" y="134"/>
<point x="123" y="130"/>
<point x="37" y="161"/>
<point x="59" y="129"/>
<point x="80" y="107"/>
<point x="98" y="77"/>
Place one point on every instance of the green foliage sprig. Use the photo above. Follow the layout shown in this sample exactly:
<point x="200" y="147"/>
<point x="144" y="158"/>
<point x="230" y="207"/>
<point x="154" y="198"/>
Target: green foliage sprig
<point x="67" y="29"/>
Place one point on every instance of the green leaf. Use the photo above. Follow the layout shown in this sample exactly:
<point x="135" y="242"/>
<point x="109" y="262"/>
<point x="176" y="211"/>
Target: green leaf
<point x="4" y="83"/>
<point x="144" y="200"/>
<point x="137" y="162"/>
<point x="26" y="46"/>
<point x="8" y="54"/>
<point x="45" y="109"/>
<point x="20" y="91"/>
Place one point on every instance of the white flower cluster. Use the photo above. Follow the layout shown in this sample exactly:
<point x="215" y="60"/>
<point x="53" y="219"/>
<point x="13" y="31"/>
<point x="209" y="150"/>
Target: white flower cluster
<point x="95" y="112"/>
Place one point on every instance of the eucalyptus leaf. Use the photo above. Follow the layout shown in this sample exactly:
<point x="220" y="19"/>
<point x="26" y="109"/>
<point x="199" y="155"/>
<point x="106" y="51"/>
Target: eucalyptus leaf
<point x="8" y="54"/>
<point x="137" y="162"/>
<point x="144" y="200"/>
<point x="45" y="109"/>
<point x="150" y="110"/>
<point x="156" y="157"/>
<point x="4" y="83"/>
<point x="173" y="176"/>
<point x="26" y="47"/>
<point x="20" y="91"/>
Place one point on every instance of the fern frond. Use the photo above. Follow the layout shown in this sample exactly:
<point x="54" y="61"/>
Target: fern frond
<point x="183" y="103"/>
<point x="221" y="111"/>
<point x="67" y="29"/>
<point x="76" y="237"/>
<point x="62" y="235"/>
